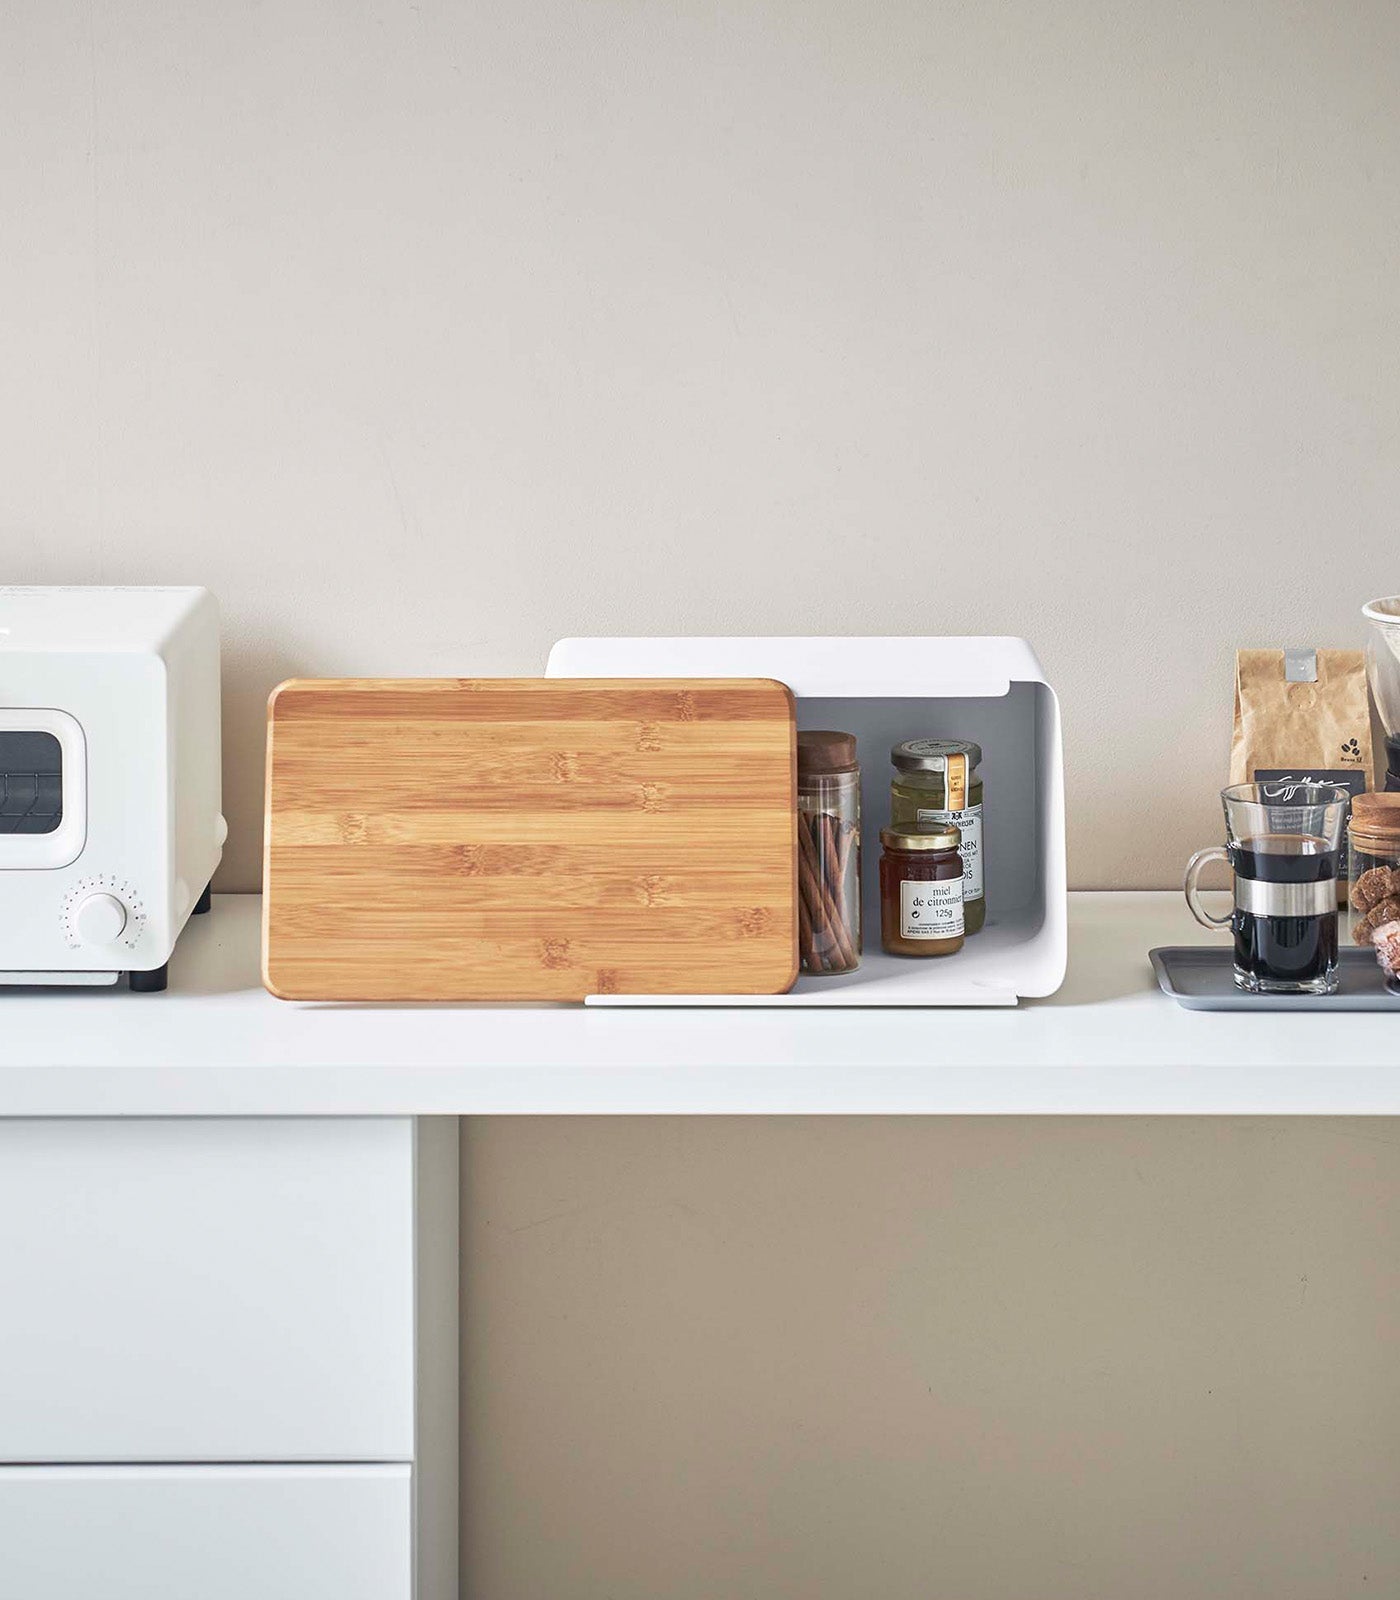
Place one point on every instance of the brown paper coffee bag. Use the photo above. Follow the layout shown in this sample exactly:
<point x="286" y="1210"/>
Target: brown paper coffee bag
<point x="1302" y="714"/>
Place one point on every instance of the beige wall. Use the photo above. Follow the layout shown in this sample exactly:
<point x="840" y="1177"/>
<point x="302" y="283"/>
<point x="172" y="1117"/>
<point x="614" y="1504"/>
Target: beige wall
<point x="1027" y="1359"/>
<point x="426" y="334"/>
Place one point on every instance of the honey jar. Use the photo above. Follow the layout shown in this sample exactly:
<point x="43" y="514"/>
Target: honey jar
<point x="921" y="890"/>
<point x="936" y="781"/>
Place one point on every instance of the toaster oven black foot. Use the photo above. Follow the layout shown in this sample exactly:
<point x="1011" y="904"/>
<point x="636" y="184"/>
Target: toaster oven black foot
<point x="149" y="982"/>
<point x="204" y="902"/>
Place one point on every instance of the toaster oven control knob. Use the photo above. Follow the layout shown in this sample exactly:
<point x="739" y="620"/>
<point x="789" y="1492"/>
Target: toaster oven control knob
<point x="100" y="919"/>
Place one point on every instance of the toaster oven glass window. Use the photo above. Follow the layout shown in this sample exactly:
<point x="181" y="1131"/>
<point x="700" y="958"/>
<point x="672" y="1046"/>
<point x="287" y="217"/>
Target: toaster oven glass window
<point x="31" y="782"/>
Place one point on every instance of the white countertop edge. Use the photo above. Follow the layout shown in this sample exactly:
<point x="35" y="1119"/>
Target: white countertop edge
<point x="1109" y="1044"/>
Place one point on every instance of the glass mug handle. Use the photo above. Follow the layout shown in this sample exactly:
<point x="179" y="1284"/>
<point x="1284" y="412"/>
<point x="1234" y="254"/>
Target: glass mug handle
<point x="1194" y="867"/>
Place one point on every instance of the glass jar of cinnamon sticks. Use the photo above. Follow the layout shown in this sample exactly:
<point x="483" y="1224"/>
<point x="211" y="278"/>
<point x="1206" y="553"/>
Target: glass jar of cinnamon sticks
<point x="828" y="851"/>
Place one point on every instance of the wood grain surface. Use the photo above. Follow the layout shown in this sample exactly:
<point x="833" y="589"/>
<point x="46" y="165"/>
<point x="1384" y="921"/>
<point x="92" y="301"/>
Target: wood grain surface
<point x="529" y="839"/>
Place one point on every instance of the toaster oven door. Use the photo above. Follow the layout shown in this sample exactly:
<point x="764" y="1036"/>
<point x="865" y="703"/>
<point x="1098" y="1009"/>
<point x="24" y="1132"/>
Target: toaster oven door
<point x="43" y="789"/>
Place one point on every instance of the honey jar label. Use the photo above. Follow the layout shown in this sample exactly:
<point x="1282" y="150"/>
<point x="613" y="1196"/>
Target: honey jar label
<point x="931" y="910"/>
<point x="969" y="822"/>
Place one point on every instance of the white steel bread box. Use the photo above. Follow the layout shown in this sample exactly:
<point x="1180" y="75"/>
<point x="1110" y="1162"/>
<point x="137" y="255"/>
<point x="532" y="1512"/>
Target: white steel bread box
<point x="991" y="691"/>
<point x="110" y="824"/>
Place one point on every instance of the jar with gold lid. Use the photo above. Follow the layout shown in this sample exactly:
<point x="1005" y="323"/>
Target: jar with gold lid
<point x="936" y="782"/>
<point x="921" y="891"/>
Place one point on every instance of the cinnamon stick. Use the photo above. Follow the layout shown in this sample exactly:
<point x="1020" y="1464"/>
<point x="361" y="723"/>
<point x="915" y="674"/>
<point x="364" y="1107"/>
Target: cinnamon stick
<point x="849" y="847"/>
<point x="806" y="948"/>
<point x="817" y="862"/>
<point x="809" y="877"/>
<point x="837" y="836"/>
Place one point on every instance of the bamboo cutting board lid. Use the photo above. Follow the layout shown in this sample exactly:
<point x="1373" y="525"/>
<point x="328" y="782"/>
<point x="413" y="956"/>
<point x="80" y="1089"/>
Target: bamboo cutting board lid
<point x="529" y="838"/>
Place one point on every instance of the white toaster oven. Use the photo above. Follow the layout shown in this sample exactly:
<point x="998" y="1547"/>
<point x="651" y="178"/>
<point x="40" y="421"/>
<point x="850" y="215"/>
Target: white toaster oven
<point x="110" y="824"/>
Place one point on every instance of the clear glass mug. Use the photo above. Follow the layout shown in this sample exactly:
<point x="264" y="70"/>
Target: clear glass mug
<point x="1284" y="842"/>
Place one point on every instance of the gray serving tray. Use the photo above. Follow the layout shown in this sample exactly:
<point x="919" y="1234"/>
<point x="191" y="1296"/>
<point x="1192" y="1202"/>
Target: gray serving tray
<point x="1201" y="978"/>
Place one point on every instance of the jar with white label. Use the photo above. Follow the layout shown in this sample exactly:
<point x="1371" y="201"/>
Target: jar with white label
<point x="935" y="783"/>
<point x="921" y="891"/>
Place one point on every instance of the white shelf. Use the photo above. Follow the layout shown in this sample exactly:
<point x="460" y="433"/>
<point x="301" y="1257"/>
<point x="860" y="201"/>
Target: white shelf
<point x="217" y="1045"/>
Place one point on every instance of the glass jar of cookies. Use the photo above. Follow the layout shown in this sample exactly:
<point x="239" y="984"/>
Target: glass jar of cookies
<point x="1373" y="871"/>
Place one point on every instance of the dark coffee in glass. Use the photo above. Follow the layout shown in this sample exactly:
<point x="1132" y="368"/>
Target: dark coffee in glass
<point x="1285" y="845"/>
<point x="1297" y="949"/>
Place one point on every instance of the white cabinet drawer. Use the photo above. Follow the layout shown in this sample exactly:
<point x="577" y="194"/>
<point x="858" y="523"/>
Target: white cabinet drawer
<point x="205" y="1533"/>
<point x="231" y="1290"/>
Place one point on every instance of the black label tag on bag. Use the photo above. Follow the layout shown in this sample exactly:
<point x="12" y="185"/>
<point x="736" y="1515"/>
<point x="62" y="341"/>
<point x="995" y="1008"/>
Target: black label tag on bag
<point x="1322" y="777"/>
